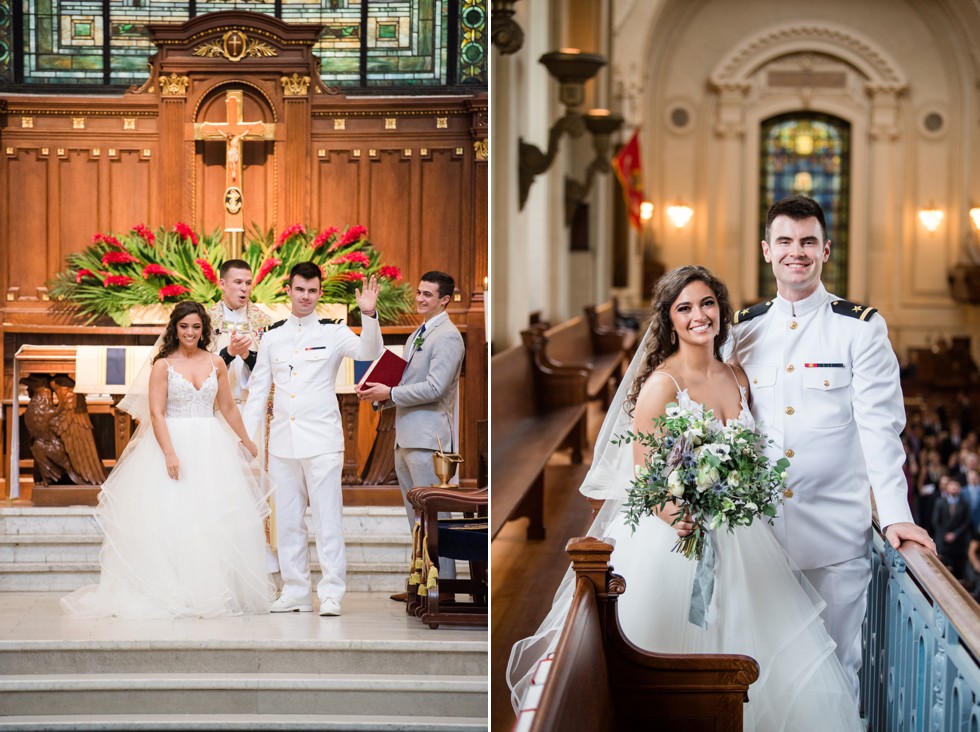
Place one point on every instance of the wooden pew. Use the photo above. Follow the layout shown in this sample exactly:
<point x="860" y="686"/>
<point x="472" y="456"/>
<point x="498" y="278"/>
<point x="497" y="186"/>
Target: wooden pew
<point x="592" y="341"/>
<point x="598" y="680"/>
<point x="536" y="409"/>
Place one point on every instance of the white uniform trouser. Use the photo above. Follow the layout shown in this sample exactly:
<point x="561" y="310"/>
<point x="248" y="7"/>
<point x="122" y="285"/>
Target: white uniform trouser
<point x="313" y="481"/>
<point x="844" y="587"/>
<point x="414" y="467"/>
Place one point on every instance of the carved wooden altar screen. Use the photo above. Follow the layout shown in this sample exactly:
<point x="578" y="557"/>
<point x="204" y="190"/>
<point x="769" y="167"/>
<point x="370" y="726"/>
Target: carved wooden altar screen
<point x="413" y="170"/>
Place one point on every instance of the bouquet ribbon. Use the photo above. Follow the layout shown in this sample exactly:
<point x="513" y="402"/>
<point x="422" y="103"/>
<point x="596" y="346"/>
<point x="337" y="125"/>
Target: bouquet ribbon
<point x="704" y="585"/>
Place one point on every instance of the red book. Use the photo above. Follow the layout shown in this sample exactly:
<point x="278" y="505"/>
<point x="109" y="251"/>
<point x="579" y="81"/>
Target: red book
<point x="387" y="369"/>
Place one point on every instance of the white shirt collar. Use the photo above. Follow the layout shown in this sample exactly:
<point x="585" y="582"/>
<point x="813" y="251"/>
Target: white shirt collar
<point x="310" y="319"/>
<point x="241" y="312"/>
<point x="435" y="320"/>
<point x="806" y="305"/>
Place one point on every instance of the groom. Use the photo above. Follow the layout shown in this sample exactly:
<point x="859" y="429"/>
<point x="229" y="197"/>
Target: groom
<point x="301" y="356"/>
<point x="825" y="388"/>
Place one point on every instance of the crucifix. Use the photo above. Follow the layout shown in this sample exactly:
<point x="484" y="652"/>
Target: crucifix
<point x="234" y="131"/>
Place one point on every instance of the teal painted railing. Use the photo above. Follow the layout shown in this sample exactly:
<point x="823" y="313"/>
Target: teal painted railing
<point x="921" y="645"/>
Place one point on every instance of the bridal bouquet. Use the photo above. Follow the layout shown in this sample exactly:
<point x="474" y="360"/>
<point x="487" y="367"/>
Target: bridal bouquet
<point x="718" y="474"/>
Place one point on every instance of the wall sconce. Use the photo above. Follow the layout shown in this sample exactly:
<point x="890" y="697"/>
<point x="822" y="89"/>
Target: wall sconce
<point x="931" y="217"/>
<point x="572" y="69"/>
<point x="679" y="215"/>
<point x="975" y="217"/>
<point x="601" y="123"/>
<point x="505" y="33"/>
<point x="646" y="211"/>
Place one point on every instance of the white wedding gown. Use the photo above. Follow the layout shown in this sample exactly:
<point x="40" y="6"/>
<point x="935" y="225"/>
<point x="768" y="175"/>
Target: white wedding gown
<point x="194" y="547"/>
<point x="762" y="607"/>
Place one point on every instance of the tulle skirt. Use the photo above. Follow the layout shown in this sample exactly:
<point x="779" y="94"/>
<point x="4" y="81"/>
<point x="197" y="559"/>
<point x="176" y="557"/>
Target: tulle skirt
<point x="762" y="608"/>
<point x="194" y="547"/>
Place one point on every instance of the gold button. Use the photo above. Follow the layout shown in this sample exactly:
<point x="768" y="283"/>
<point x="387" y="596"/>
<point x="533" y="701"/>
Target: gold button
<point x="790" y="453"/>
<point x="793" y="325"/>
<point x="789" y="367"/>
<point x="755" y="381"/>
<point x="826" y="383"/>
<point x="295" y="350"/>
<point x="789" y="410"/>
<point x="292" y="396"/>
<point x="292" y="419"/>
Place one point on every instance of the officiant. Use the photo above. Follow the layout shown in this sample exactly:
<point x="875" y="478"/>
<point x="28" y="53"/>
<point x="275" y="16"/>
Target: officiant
<point x="301" y="356"/>
<point x="426" y="401"/>
<point x="237" y="323"/>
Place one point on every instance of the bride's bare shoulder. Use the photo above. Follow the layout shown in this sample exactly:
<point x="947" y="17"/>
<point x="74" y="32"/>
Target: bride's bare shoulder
<point x="657" y="392"/>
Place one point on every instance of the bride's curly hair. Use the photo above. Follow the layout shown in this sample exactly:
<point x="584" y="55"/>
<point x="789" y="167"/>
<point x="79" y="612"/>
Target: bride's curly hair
<point x="659" y="345"/>
<point x="181" y="311"/>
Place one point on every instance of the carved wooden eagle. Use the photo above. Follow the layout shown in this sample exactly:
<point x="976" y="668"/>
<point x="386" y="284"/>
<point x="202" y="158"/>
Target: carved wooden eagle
<point x="61" y="433"/>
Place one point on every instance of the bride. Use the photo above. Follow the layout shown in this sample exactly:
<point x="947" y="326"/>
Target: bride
<point x="181" y="511"/>
<point x="762" y="606"/>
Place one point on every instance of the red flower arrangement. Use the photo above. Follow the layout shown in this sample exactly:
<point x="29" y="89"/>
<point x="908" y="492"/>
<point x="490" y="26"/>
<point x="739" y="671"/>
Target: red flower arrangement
<point x="267" y="266"/>
<point x="354" y="276"/>
<point x="288" y="233"/>
<point x="118" y="258"/>
<point x="117" y="281"/>
<point x="207" y="270"/>
<point x="141" y="231"/>
<point x="158" y="270"/>
<point x="390" y="272"/>
<point x="107" y="239"/>
<point x="351" y="236"/>
<point x="171" y="291"/>
<point x="83" y="273"/>
<point x="323" y="237"/>
<point x="185" y="232"/>
<point x="353" y="258"/>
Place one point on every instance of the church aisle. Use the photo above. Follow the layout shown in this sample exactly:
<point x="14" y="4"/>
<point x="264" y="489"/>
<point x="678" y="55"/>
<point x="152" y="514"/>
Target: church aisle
<point x="359" y="671"/>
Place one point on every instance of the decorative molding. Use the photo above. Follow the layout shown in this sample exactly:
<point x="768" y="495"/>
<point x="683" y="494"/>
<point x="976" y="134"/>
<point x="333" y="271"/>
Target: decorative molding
<point x="408" y="152"/>
<point x="45" y="151"/>
<point x="391" y="123"/>
<point x="442" y="123"/>
<point x="96" y="152"/>
<point x="113" y="152"/>
<point x="174" y="85"/>
<point x="459" y="151"/>
<point x="321" y="153"/>
<point x="481" y="148"/>
<point x="61" y="152"/>
<point x="146" y="152"/>
<point x="340" y="123"/>
<point x="129" y="123"/>
<point x="372" y="153"/>
<point x="10" y="151"/>
<point x="813" y="36"/>
<point x="78" y="123"/>
<point x="235" y="45"/>
<point x="26" y="122"/>
<point x="424" y="151"/>
<point x="295" y="85"/>
<point x="356" y="153"/>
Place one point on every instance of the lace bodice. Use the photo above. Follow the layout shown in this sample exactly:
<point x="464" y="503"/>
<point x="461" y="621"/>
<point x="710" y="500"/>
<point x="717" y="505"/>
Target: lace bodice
<point x="744" y="417"/>
<point x="183" y="400"/>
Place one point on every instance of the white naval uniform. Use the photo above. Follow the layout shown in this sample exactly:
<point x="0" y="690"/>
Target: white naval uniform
<point x="301" y="357"/>
<point x="825" y="388"/>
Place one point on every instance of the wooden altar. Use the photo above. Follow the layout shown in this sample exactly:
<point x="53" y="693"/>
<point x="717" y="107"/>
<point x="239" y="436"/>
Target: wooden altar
<point x="412" y="169"/>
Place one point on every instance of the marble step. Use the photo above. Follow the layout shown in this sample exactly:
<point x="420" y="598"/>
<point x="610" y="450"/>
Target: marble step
<point x="67" y="576"/>
<point x="254" y="693"/>
<point x="405" y="722"/>
<point x="76" y="520"/>
<point x="434" y="654"/>
<point x="62" y="548"/>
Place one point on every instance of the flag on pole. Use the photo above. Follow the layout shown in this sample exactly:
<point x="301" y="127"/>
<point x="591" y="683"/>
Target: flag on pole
<point x="629" y="169"/>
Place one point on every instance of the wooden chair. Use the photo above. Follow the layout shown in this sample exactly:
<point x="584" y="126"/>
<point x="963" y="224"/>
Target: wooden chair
<point x="462" y="539"/>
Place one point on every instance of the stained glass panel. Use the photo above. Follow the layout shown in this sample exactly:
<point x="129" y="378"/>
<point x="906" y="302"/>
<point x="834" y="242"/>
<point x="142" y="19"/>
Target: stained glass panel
<point x="376" y="43"/>
<point x="808" y="154"/>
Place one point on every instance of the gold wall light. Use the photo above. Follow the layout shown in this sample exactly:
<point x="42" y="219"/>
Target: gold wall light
<point x="679" y="215"/>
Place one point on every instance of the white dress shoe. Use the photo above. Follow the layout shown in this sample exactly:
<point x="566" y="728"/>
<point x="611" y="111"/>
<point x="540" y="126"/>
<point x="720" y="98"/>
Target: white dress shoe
<point x="287" y="604"/>
<point x="329" y="607"/>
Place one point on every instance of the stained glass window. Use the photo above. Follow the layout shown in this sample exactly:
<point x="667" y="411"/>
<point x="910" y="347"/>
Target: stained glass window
<point x="365" y="44"/>
<point x="809" y="154"/>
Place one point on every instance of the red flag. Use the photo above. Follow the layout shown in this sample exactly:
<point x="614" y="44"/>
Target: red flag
<point x="629" y="169"/>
